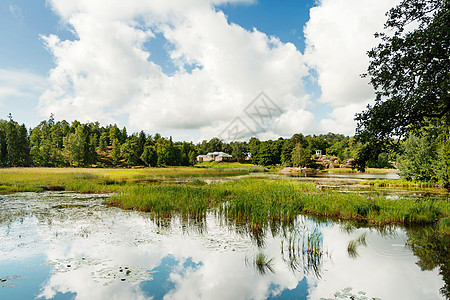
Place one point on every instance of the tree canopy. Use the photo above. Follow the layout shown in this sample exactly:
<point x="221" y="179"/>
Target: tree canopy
<point x="58" y="144"/>
<point x="409" y="71"/>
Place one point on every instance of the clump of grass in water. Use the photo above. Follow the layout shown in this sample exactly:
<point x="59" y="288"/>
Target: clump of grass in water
<point x="362" y="239"/>
<point x="353" y="245"/>
<point x="304" y="251"/>
<point x="164" y="200"/>
<point x="263" y="264"/>
<point x="351" y="249"/>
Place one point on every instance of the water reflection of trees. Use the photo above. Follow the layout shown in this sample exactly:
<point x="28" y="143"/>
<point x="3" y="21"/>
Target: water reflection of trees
<point x="432" y="249"/>
<point x="429" y="245"/>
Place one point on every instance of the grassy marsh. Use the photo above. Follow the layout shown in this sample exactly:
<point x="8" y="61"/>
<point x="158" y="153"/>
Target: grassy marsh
<point x="167" y="191"/>
<point x="398" y="183"/>
<point x="259" y="201"/>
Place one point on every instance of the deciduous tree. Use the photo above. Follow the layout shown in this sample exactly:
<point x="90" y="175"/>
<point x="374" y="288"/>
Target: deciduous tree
<point x="409" y="71"/>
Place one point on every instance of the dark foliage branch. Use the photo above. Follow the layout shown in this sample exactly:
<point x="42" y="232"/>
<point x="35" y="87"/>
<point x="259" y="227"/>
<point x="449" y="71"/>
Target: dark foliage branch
<point x="409" y="71"/>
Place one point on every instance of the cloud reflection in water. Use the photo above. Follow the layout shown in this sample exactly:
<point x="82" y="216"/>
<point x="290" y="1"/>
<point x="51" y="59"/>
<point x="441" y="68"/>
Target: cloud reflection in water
<point x="97" y="252"/>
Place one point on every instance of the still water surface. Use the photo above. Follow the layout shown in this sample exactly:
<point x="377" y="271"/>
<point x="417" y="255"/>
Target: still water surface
<point x="363" y="176"/>
<point x="59" y="245"/>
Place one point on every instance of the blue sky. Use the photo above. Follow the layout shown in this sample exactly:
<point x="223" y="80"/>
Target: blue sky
<point x="187" y="68"/>
<point x="284" y="19"/>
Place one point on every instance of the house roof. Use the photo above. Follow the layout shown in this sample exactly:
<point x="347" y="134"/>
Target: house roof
<point x="220" y="154"/>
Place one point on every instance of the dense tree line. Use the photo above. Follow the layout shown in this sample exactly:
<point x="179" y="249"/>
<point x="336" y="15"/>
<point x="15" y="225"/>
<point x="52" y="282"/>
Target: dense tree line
<point x="423" y="156"/>
<point x="14" y="144"/>
<point x="58" y="144"/>
<point x="298" y="150"/>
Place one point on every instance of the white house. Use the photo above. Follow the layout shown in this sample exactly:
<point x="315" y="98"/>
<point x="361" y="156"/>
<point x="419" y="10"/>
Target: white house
<point x="215" y="156"/>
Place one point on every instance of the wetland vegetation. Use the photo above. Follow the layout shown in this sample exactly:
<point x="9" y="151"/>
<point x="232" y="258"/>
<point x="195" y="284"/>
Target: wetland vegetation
<point x="184" y="191"/>
<point x="263" y="200"/>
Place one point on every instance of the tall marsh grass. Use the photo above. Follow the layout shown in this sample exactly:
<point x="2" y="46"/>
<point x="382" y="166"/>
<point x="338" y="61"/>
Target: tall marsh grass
<point x="164" y="200"/>
<point x="259" y="201"/>
<point x="398" y="183"/>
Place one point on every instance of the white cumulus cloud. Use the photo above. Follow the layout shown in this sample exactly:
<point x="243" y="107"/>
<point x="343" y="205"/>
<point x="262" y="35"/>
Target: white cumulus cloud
<point x="338" y="36"/>
<point x="109" y="69"/>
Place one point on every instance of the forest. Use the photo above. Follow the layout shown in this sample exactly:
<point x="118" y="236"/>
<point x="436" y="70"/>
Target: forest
<point x="64" y="144"/>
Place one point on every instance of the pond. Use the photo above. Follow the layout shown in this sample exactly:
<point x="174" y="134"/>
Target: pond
<point x="61" y="245"/>
<point x="350" y="182"/>
<point x="361" y="176"/>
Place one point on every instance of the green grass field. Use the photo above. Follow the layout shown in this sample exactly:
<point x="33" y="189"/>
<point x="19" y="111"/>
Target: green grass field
<point x="106" y="180"/>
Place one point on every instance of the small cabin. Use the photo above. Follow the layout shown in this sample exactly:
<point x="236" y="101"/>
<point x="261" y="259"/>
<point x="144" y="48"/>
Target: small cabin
<point x="318" y="152"/>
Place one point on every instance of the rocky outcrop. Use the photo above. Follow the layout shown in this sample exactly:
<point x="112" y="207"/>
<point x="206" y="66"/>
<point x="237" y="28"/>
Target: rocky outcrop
<point x="295" y="170"/>
<point x="331" y="162"/>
